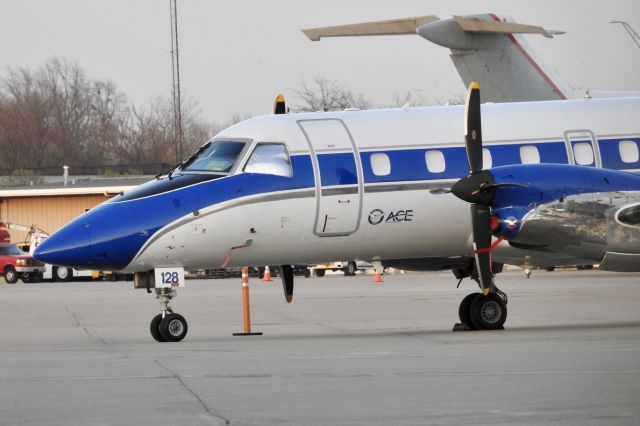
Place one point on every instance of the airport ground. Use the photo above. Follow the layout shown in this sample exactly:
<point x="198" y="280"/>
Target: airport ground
<point x="347" y="351"/>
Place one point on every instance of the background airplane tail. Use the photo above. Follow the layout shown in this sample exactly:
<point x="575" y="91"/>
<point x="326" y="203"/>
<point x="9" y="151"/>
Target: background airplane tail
<point x="485" y="48"/>
<point x="489" y="49"/>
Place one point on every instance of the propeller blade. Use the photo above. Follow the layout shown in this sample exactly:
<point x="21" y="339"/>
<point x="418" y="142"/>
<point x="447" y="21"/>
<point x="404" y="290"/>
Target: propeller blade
<point x="279" y="106"/>
<point x="482" y="244"/>
<point x="473" y="135"/>
<point x="286" y="274"/>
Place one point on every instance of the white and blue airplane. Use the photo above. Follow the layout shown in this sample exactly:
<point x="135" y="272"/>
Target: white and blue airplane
<point x="555" y="183"/>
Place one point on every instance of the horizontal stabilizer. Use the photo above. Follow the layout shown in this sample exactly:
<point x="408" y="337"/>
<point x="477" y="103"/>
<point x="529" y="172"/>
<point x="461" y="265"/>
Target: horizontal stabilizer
<point x="389" y="27"/>
<point x="476" y="25"/>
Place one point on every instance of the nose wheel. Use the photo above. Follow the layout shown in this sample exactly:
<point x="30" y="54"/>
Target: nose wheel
<point x="167" y="326"/>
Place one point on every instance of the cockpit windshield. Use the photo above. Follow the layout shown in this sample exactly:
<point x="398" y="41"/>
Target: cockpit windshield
<point x="216" y="156"/>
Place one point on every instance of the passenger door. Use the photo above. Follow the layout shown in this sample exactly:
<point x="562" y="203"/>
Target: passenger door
<point x="338" y="176"/>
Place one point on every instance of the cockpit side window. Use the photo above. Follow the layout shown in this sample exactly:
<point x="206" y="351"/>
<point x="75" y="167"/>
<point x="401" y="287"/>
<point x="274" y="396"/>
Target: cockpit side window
<point x="216" y="157"/>
<point x="270" y="159"/>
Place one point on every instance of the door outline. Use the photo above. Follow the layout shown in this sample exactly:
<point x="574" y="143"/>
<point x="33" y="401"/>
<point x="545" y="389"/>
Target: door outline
<point x="571" y="136"/>
<point x="318" y="183"/>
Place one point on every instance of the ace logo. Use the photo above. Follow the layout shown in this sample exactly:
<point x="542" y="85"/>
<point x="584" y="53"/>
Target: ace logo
<point x="377" y="216"/>
<point x="400" y="216"/>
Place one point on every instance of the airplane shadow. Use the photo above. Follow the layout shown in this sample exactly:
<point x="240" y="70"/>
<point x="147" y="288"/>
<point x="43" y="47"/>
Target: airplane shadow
<point x="511" y="331"/>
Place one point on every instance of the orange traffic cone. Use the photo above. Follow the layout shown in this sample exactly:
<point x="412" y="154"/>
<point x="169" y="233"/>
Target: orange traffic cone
<point x="377" y="277"/>
<point x="267" y="274"/>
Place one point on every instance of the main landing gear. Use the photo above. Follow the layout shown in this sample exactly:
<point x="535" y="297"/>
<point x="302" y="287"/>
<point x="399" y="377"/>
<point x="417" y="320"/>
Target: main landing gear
<point x="167" y="326"/>
<point x="478" y="311"/>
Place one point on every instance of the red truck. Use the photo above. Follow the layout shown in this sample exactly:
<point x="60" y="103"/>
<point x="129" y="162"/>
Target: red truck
<point x="15" y="264"/>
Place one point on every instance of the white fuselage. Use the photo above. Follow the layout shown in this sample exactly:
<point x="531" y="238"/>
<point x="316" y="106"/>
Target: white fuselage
<point x="378" y="182"/>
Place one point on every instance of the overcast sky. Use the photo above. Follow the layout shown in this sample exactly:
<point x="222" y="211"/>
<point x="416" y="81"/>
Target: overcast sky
<point x="236" y="55"/>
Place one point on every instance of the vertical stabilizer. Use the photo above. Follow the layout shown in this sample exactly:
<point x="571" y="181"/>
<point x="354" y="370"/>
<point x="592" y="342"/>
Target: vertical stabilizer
<point x="490" y="50"/>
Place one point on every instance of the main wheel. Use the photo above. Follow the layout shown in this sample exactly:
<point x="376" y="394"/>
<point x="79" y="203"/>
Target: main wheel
<point x="10" y="275"/>
<point x="488" y="312"/>
<point x="61" y="274"/>
<point x="464" y="311"/>
<point x="351" y="269"/>
<point x="154" y="327"/>
<point x="319" y="272"/>
<point x="173" y="327"/>
<point x="28" y="277"/>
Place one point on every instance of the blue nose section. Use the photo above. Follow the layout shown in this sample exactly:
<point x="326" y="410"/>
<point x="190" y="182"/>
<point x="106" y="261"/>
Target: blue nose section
<point x="70" y="246"/>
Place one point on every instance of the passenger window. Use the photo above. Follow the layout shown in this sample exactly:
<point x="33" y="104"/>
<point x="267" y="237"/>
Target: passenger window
<point x="270" y="159"/>
<point x="435" y="161"/>
<point x="487" y="161"/>
<point x="529" y="154"/>
<point x="380" y="164"/>
<point x="583" y="153"/>
<point x="629" y="151"/>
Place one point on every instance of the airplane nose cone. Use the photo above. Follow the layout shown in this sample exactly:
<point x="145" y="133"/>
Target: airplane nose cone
<point x="70" y="246"/>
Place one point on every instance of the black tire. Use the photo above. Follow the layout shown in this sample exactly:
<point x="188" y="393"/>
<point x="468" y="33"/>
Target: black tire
<point x="464" y="311"/>
<point x="550" y="268"/>
<point x="10" y="275"/>
<point x="350" y="269"/>
<point x="28" y="277"/>
<point x="319" y="273"/>
<point x="307" y="273"/>
<point x="62" y="274"/>
<point x="154" y="327"/>
<point x="488" y="312"/>
<point x="173" y="327"/>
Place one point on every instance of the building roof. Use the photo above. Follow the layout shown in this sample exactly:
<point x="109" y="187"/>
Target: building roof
<point x="76" y="186"/>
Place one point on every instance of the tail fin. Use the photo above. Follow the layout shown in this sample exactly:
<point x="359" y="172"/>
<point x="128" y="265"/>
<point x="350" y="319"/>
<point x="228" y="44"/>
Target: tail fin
<point x="489" y="50"/>
<point x="484" y="48"/>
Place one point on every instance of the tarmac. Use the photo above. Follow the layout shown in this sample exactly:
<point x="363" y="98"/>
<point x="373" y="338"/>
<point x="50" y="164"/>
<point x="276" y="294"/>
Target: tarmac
<point x="347" y="351"/>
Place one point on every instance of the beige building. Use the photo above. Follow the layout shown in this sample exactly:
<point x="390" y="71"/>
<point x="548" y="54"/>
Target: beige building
<point x="49" y="208"/>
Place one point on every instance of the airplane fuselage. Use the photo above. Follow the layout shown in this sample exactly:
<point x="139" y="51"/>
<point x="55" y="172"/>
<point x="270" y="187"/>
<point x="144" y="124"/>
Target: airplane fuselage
<point x="360" y="185"/>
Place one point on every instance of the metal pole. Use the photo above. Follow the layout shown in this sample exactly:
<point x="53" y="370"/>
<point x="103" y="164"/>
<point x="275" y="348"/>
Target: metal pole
<point x="634" y="35"/>
<point x="175" y="89"/>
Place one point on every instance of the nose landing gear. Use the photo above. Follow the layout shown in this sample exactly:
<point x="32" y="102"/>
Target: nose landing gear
<point x="167" y="326"/>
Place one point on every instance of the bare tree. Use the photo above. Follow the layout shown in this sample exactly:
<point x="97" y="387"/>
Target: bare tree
<point x="146" y="135"/>
<point x="25" y="121"/>
<point x="57" y="115"/>
<point x="416" y="98"/>
<point x="324" y="94"/>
